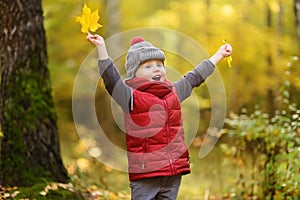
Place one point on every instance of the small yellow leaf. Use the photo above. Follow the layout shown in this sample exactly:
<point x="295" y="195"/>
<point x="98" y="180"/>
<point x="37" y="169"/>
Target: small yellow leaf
<point x="88" y="20"/>
<point x="229" y="58"/>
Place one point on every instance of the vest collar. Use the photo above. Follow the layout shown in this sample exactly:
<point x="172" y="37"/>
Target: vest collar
<point x="159" y="89"/>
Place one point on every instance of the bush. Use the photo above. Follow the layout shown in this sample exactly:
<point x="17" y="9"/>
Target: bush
<point x="274" y="145"/>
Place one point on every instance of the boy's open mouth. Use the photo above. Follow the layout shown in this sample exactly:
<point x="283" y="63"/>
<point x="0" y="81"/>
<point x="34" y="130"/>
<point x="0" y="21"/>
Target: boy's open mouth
<point x="156" y="78"/>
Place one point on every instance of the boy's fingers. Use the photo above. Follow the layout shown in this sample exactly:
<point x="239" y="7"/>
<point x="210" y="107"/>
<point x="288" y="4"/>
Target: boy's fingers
<point x="89" y="35"/>
<point x="228" y="48"/>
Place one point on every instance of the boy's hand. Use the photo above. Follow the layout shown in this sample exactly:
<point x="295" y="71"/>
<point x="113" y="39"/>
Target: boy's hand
<point x="96" y="40"/>
<point x="228" y="51"/>
<point x="223" y="52"/>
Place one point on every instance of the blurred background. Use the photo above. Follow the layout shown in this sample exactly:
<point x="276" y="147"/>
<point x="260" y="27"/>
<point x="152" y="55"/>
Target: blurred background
<point x="264" y="38"/>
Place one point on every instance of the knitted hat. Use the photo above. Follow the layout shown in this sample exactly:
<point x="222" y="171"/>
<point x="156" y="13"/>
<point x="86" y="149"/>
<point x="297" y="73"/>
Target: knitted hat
<point x="139" y="52"/>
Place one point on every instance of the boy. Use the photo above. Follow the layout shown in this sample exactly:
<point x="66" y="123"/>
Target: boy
<point x="157" y="154"/>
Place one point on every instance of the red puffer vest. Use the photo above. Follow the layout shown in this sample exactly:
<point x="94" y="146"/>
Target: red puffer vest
<point x="154" y="131"/>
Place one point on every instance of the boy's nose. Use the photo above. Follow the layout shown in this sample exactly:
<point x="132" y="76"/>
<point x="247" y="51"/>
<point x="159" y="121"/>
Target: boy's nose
<point x="156" y="68"/>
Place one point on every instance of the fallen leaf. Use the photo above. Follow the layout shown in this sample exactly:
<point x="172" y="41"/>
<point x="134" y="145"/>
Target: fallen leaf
<point x="112" y="196"/>
<point x="88" y="20"/>
<point x="14" y="195"/>
<point x="97" y="194"/>
<point x="12" y="188"/>
<point x="67" y="186"/>
<point x="94" y="188"/>
<point x="43" y="193"/>
<point x="6" y="195"/>
<point x="47" y="188"/>
<point x="54" y="186"/>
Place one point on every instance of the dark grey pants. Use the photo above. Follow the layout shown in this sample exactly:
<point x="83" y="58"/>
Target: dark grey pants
<point x="157" y="188"/>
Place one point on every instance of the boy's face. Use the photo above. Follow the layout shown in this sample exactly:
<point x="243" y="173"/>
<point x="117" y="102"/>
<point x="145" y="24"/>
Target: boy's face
<point x="151" y="70"/>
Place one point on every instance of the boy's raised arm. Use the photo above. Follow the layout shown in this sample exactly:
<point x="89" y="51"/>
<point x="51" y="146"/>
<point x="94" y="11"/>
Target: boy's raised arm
<point x="199" y="74"/>
<point x="110" y="75"/>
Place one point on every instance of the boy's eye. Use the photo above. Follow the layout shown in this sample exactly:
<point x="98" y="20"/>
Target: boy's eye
<point x="147" y="66"/>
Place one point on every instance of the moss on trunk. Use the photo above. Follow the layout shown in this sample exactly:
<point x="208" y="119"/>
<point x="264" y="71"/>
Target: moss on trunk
<point x="30" y="147"/>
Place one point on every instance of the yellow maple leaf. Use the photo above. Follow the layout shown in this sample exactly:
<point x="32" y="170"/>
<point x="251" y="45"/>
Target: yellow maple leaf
<point x="88" y="20"/>
<point x="229" y="58"/>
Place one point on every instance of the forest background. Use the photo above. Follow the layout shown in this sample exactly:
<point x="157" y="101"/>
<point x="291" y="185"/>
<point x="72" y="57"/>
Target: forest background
<point x="266" y="54"/>
<point x="262" y="33"/>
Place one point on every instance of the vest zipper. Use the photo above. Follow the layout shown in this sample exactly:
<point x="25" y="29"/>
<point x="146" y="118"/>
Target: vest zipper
<point x="168" y="136"/>
<point x="143" y="165"/>
<point x="145" y="152"/>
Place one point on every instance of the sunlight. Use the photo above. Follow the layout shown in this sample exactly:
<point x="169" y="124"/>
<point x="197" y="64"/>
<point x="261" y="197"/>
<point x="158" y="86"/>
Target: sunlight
<point x="228" y="10"/>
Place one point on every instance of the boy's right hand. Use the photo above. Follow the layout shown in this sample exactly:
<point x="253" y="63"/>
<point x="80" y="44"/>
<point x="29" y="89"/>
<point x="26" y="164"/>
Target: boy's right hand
<point x="96" y="40"/>
<point x="99" y="42"/>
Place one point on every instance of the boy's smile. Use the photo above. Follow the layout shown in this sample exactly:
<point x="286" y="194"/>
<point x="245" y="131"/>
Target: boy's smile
<point x="151" y="70"/>
<point x="156" y="78"/>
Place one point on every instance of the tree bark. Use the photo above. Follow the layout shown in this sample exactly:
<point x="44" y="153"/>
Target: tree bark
<point x="297" y="15"/>
<point x="30" y="147"/>
<point x="270" y="64"/>
<point x="113" y="21"/>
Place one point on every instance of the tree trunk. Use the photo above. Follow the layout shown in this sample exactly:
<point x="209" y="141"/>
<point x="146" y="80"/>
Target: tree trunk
<point x="30" y="148"/>
<point x="113" y="21"/>
<point x="270" y="65"/>
<point x="297" y="15"/>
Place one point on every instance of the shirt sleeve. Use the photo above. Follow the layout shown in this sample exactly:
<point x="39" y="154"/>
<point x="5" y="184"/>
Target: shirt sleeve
<point x="114" y="84"/>
<point x="193" y="79"/>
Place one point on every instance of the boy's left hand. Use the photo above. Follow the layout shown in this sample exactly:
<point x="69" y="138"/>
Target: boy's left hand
<point x="226" y="50"/>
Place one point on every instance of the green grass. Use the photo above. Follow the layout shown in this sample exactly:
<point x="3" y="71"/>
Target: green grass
<point x="208" y="176"/>
<point x="212" y="176"/>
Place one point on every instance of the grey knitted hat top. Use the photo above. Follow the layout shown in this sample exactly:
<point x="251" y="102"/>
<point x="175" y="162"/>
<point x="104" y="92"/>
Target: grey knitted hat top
<point x="139" y="52"/>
